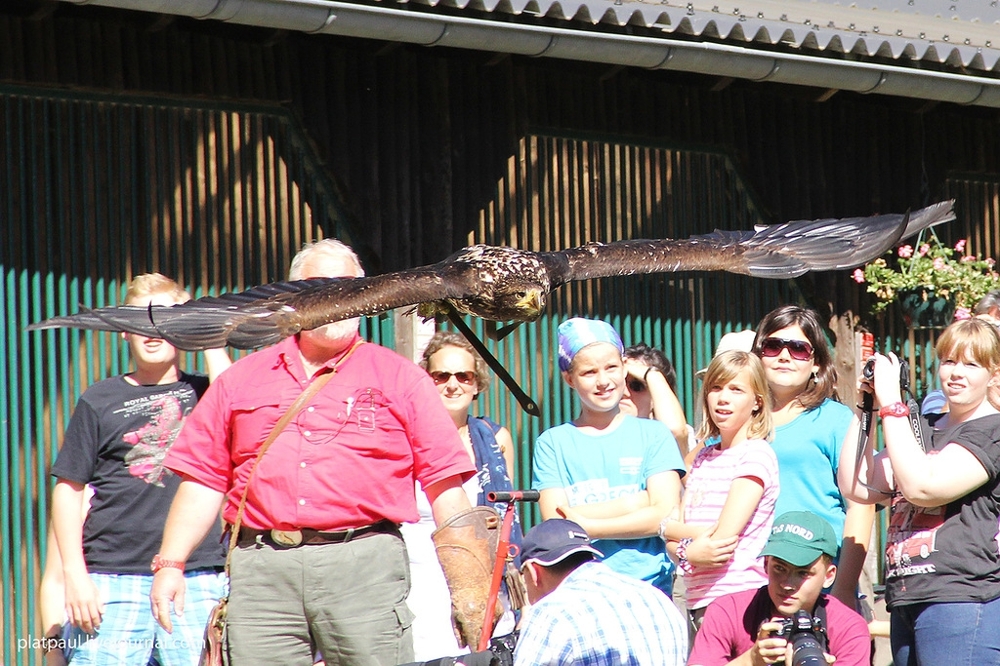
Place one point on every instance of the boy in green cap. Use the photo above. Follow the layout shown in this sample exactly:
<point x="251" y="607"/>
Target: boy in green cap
<point x="739" y="628"/>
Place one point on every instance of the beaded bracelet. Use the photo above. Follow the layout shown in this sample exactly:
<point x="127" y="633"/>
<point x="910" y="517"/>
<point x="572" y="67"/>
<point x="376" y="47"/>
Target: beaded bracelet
<point x="682" y="561"/>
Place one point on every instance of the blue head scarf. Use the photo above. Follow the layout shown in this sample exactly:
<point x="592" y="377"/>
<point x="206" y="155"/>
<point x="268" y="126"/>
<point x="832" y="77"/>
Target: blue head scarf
<point x="577" y="333"/>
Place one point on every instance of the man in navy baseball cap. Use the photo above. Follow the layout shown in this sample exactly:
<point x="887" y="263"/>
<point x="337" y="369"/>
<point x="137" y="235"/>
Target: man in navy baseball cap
<point x="584" y="613"/>
<point x="553" y="541"/>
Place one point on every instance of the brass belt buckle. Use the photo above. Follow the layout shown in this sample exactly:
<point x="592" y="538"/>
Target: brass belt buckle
<point x="287" y="538"/>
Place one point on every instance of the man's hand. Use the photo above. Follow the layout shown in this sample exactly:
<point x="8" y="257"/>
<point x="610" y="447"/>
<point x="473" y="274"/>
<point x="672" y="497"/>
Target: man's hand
<point x="168" y="588"/>
<point x="83" y="601"/>
<point x="770" y="649"/>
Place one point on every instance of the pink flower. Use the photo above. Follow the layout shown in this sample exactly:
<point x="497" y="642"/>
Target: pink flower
<point x="924" y="249"/>
<point x="960" y="246"/>
<point x="939" y="264"/>
<point x="991" y="262"/>
<point x="967" y="258"/>
<point x="906" y="251"/>
<point x="858" y="275"/>
<point x="962" y="313"/>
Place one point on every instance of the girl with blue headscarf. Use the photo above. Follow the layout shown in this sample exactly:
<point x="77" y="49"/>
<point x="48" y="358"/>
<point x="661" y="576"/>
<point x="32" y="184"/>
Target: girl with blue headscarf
<point x="614" y="474"/>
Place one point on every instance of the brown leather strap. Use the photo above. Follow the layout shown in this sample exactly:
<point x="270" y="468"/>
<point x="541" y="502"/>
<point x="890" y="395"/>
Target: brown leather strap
<point x="286" y="418"/>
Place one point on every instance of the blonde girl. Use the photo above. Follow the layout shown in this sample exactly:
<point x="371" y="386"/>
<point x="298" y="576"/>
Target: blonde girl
<point x="732" y="487"/>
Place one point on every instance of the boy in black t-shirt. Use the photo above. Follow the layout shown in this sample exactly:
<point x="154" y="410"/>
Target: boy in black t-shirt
<point x="115" y="443"/>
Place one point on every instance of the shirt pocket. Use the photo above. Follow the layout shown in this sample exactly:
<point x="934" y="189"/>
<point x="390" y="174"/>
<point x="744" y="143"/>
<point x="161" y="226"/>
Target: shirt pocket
<point x="253" y="419"/>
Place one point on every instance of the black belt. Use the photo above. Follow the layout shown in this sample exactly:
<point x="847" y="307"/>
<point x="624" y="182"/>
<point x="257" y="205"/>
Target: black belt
<point x="306" y="535"/>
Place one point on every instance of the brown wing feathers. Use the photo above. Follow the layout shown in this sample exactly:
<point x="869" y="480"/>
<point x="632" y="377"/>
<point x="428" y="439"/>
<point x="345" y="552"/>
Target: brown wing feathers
<point x="265" y="314"/>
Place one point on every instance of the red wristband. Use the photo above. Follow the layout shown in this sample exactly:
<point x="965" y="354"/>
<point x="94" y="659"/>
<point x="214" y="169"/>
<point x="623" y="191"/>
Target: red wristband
<point x="895" y="409"/>
<point x="160" y="563"/>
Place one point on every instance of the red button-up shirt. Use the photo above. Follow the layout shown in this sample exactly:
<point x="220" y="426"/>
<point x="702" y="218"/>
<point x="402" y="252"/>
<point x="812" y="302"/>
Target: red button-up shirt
<point x="348" y="459"/>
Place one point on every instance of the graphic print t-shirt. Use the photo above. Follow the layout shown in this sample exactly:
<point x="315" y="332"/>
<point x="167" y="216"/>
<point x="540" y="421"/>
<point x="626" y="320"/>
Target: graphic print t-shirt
<point x="950" y="553"/>
<point x="600" y="468"/>
<point x="116" y="441"/>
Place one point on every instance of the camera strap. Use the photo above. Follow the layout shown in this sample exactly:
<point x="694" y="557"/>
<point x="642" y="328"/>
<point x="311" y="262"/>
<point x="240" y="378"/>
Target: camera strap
<point x="819" y="628"/>
<point x="916" y="423"/>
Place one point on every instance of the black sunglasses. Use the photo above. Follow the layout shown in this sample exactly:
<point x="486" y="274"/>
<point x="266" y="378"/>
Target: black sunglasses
<point x="800" y="350"/>
<point x="635" y="386"/>
<point x="466" y="377"/>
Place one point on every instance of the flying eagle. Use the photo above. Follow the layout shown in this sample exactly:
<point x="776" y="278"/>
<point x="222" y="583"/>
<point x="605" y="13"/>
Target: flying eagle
<point x="504" y="283"/>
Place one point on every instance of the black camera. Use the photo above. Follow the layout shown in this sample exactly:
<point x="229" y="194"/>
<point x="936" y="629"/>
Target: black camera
<point x="807" y="637"/>
<point x="868" y="372"/>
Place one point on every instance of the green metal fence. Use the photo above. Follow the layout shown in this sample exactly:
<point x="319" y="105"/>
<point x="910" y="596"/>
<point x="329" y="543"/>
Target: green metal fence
<point x="97" y="190"/>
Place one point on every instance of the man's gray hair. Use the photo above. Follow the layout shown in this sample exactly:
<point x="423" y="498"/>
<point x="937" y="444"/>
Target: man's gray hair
<point x="988" y="303"/>
<point x="330" y="247"/>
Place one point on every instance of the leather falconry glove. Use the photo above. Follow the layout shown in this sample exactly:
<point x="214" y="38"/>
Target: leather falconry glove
<point x="466" y="547"/>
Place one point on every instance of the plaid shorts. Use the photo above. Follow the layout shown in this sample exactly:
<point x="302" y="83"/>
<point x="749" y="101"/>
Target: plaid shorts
<point x="129" y="635"/>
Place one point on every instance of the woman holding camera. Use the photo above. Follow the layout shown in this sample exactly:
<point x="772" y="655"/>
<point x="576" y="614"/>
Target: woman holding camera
<point x="809" y="426"/>
<point x="943" y="484"/>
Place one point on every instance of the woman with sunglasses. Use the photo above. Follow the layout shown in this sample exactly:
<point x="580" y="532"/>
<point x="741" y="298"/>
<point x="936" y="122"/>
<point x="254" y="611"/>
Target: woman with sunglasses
<point x="942" y="564"/>
<point x="809" y="427"/>
<point x="651" y="392"/>
<point x="460" y="375"/>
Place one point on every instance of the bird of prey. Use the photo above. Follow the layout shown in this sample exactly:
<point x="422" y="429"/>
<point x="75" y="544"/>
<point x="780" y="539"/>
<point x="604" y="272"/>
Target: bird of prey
<point x="504" y="283"/>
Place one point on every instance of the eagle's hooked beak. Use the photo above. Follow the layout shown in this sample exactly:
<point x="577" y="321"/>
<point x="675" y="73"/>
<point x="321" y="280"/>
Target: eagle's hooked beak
<point x="532" y="303"/>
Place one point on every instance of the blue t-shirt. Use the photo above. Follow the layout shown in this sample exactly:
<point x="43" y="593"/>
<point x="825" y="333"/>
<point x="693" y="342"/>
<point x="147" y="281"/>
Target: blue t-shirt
<point x="808" y="451"/>
<point x="598" y="468"/>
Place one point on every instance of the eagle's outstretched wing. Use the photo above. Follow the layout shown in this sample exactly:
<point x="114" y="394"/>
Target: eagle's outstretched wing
<point x="266" y="314"/>
<point x="505" y="283"/>
<point x="775" y="251"/>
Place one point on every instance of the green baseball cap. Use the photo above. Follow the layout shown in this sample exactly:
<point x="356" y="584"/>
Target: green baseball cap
<point x="799" y="537"/>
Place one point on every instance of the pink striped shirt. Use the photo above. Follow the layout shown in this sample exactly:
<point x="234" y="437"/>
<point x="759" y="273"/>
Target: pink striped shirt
<point x="712" y="474"/>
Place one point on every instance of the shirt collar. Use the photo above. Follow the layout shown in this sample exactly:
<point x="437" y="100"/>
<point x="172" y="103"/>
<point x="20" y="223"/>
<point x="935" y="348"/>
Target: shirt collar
<point x="288" y="354"/>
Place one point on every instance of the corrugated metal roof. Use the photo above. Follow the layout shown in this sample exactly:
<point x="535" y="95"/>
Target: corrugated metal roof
<point x="961" y="34"/>
<point x="922" y="49"/>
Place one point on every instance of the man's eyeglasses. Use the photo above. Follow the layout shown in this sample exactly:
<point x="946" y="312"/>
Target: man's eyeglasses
<point x="467" y="377"/>
<point x="635" y="386"/>
<point x="800" y="350"/>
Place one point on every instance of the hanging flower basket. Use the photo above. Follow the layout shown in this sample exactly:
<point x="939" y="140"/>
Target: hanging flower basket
<point x="929" y="281"/>
<point x="922" y="308"/>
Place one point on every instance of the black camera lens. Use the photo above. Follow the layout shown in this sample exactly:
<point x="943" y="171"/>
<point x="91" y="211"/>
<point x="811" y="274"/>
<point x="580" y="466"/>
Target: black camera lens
<point x="869" y="370"/>
<point x="806" y="650"/>
<point x="800" y="632"/>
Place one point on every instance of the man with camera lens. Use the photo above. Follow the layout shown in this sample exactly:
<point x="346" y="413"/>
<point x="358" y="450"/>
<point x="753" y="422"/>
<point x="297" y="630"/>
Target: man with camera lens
<point x="790" y="620"/>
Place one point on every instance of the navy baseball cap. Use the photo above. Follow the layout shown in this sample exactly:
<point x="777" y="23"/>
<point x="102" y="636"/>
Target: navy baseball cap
<point x="553" y="540"/>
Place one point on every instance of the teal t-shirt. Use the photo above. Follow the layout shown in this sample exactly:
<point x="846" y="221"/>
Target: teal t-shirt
<point x="808" y="451"/>
<point x="598" y="468"/>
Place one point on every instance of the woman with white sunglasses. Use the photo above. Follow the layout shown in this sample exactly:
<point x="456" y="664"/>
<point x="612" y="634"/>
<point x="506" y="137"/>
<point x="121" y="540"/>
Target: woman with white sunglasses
<point x="809" y="427"/>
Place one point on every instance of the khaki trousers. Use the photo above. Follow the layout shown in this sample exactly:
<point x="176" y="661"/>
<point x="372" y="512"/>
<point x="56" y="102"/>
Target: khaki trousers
<point x="347" y="601"/>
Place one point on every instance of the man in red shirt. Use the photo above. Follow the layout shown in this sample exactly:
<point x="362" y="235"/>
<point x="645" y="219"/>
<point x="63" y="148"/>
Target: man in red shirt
<point x="339" y="478"/>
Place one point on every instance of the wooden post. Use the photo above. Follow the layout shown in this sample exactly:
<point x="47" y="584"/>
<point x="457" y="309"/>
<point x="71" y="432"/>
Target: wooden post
<point x="412" y="333"/>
